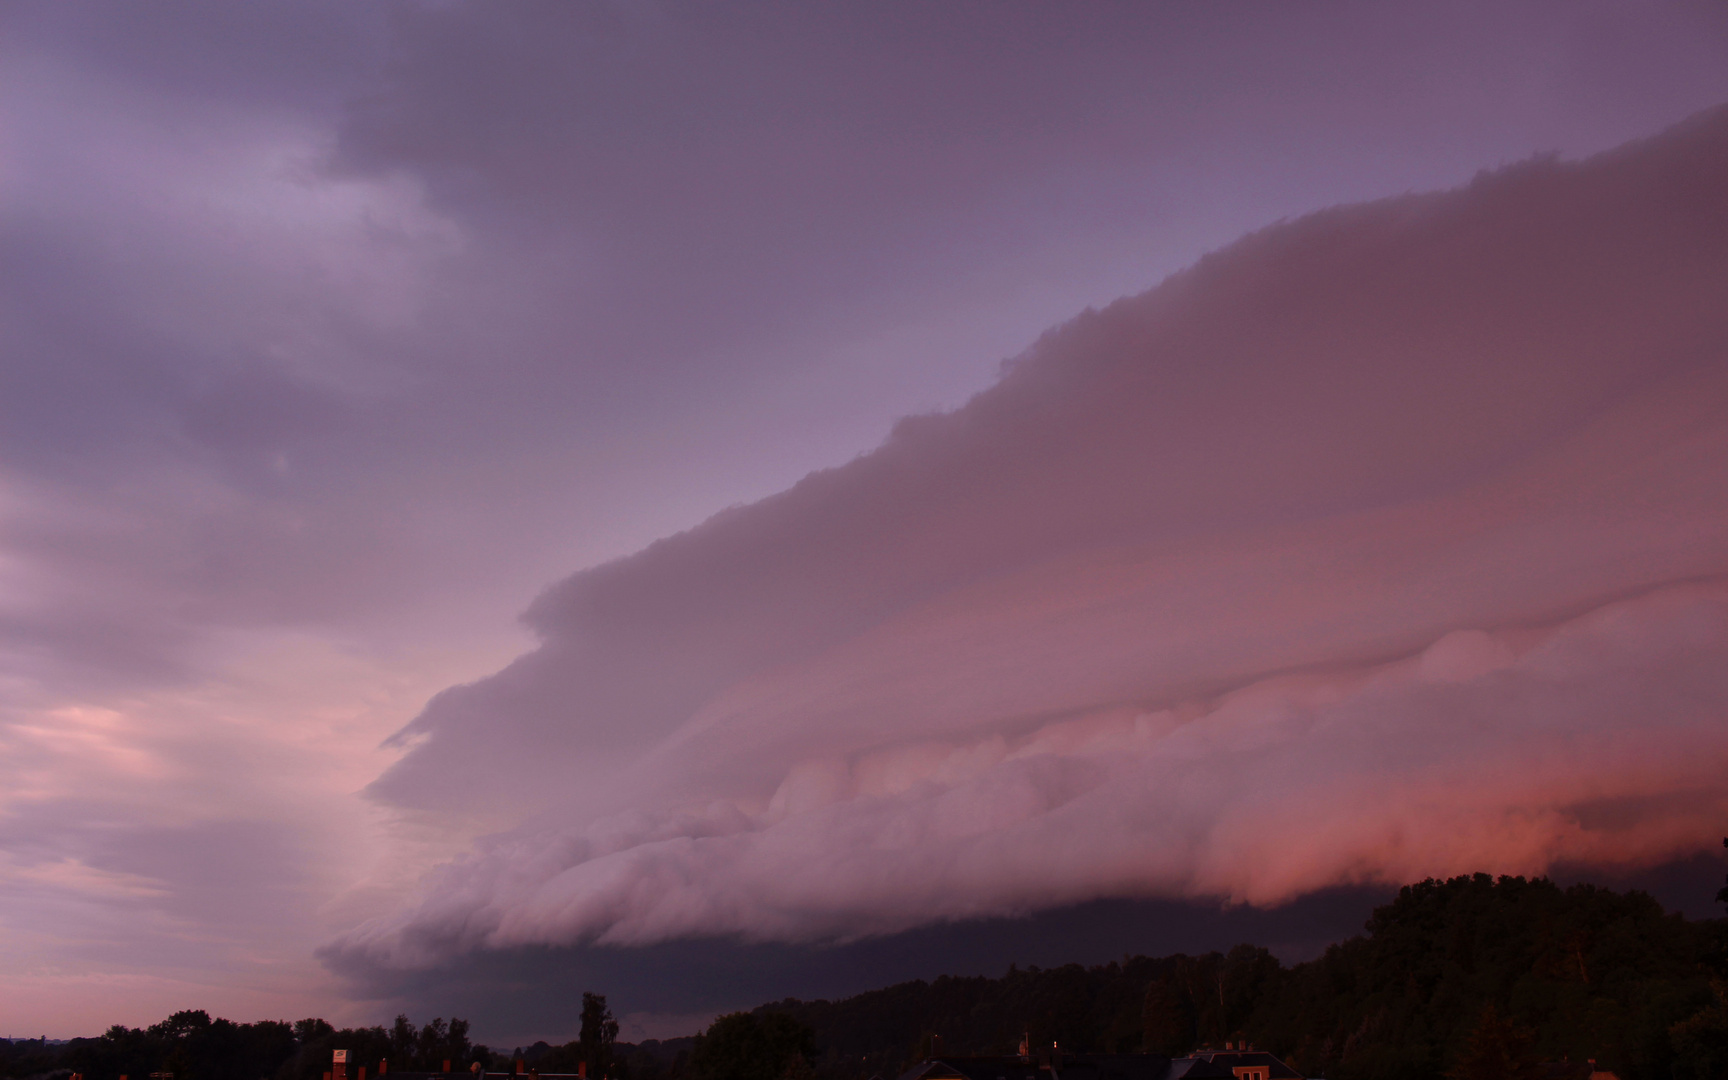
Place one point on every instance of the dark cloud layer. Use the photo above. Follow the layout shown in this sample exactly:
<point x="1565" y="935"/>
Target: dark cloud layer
<point x="519" y="995"/>
<point x="671" y="989"/>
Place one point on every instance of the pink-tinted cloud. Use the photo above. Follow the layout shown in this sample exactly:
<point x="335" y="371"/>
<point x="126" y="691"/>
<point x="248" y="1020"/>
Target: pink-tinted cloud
<point x="1597" y="741"/>
<point x="1383" y="543"/>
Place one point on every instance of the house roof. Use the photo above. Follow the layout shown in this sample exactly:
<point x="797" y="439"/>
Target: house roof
<point x="1572" y="1070"/>
<point x="1231" y="1060"/>
<point x="1069" y="1067"/>
<point x="975" y="1068"/>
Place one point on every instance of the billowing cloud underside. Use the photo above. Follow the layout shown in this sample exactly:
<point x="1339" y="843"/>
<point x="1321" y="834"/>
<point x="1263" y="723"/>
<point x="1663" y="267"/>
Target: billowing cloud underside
<point x="1389" y="542"/>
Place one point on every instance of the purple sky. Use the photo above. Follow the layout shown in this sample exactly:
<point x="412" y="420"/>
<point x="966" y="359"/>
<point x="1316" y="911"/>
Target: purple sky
<point x="335" y="338"/>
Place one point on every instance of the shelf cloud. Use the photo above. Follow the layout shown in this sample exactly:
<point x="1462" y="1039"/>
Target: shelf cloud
<point x="1386" y="542"/>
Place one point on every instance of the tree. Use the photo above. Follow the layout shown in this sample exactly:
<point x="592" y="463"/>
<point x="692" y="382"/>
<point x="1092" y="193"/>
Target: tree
<point x="314" y="1028"/>
<point x="753" y="1046"/>
<point x="182" y="1024"/>
<point x="1169" y="1023"/>
<point x="404" y="1042"/>
<point x="431" y="1044"/>
<point x="1701" y="1040"/>
<point x="1716" y="951"/>
<point x="598" y="1033"/>
<point x="1497" y="1050"/>
<point x="1722" y="893"/>
<point x="456" y="1044"/>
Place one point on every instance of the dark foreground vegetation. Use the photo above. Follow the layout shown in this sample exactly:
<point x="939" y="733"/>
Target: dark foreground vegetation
<point x="194" y="1047"/>
<point x="1468" y="979"/>
<point x="1577" y="973"/>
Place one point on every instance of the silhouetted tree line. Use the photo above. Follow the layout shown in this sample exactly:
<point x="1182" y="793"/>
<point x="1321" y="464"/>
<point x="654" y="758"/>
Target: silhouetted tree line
<point x="1451" y="977"/>
<point x="192" y="1046"/>
<point x="1475" y="978"/>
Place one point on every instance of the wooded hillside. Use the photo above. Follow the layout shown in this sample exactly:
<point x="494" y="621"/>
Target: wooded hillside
<point x="1582" y="972"/>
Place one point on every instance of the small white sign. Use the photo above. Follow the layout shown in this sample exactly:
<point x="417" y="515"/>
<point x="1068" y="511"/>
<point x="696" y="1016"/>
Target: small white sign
<point x="341" y="1057"/>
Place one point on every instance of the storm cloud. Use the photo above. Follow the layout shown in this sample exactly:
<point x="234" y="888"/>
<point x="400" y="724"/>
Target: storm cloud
<point x="1383" y="543"/>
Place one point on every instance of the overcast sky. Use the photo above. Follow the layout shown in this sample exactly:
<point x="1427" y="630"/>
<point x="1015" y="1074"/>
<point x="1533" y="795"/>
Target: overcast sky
<point x="354" y="354"/>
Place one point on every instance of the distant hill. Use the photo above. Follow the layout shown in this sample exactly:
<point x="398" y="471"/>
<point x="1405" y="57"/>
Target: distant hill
<point x="1588" y="972"/>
